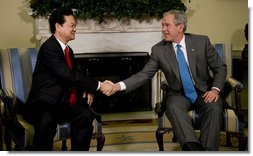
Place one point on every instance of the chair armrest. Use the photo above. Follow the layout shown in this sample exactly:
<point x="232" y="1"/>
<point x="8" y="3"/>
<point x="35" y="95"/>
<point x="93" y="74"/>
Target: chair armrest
<point x="235" y="87"/>
<point x="160" y="106"/>
<point x="98" y="118"/>
<point x="164" y="86"/>
<point x="235" y="84"/>
<point x="231" y="85"/>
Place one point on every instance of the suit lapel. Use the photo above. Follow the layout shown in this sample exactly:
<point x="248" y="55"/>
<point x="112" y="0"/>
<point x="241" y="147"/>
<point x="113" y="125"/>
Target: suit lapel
<point x="62" y="53"/>
<point x="58" y="46"/>
<point x="171" y="57"/>
<point x="191" y="53"/>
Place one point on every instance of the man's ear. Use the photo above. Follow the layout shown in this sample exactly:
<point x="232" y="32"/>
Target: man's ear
<point x="57" y="26"/>
<point x="181" y="27"/>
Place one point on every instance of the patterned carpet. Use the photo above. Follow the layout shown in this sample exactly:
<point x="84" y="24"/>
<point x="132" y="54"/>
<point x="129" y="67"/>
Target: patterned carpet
<point x="139" y="136"/>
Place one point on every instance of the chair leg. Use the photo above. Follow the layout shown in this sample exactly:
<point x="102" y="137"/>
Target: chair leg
<point x="1" y="132"/>
<point x="64" y="145"/>
<point x="7" y="140"/>
<point x="159" y="137"/>
<point x="228" y="139"/>
<point x="242" y="140"/>
<point x="100" y="142"/>
<point x="174" y="139"/>
<point x="100" y="137"/>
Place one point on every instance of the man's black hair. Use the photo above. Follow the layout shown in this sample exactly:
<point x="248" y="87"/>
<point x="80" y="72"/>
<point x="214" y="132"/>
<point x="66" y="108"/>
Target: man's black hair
<point x="57" y="16"/>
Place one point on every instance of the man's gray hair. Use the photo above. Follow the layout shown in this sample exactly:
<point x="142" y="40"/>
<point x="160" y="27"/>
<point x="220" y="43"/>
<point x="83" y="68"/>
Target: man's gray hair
<point x="179" y="17"/>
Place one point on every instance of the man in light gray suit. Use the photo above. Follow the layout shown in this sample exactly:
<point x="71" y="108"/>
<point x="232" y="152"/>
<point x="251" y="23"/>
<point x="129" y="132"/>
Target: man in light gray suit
<point x="200" y="57"/>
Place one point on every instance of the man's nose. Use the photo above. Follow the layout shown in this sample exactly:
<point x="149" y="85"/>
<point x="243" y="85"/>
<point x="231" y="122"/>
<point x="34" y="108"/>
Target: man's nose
<point x="163" y="28"/>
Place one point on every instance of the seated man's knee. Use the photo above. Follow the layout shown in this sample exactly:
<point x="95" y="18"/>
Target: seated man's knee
<point x="83" y="119"/>
<point x="177" y="103"/>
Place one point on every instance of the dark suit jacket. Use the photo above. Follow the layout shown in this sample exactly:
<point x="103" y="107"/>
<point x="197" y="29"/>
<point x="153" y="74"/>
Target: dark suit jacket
<point x="53" y="80"/>
<point x="201" y="56"/>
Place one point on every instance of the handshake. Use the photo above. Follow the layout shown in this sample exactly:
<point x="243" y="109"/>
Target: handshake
<point x="109" y="88"/>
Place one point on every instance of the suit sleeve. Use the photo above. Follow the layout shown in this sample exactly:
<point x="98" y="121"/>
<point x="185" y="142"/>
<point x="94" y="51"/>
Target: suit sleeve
<point x="217" y="66"/>
<point x="147" y="73"/>
<point x="54" y="62"/>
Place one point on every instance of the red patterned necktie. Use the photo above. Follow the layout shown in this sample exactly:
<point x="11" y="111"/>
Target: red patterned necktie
<point x="72" y="98"/>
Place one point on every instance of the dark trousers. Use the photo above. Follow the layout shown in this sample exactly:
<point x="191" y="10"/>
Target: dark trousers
<point x="79" y="117"/>
<point x="211" y="119"/>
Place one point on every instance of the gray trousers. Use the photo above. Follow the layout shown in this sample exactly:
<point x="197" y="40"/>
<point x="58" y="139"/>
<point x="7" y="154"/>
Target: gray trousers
<point x="211" y="120"/>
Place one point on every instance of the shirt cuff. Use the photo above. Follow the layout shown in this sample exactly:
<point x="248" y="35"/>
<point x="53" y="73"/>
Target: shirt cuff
<point x="98" y="85"/>
<point x="122" y="86"/>
<point x="216" y="88"/>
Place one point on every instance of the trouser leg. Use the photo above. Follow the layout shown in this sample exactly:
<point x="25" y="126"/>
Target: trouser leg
<point x="211" y="115"/>
<point x="44" y="133"/>
<point x="81" y="128"/>
<point x="177" y="112"/>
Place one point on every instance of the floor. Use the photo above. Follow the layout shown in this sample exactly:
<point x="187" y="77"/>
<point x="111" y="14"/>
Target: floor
<point x="129" y="116"/>
<point x="120" y="131"/>
<point x="135" y="132"/>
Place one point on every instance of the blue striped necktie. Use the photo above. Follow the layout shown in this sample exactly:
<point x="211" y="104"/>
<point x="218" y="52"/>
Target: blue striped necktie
<point x="188" y="86"/>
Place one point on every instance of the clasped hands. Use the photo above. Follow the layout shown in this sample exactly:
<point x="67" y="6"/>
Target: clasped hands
<point x="109" y="88"/>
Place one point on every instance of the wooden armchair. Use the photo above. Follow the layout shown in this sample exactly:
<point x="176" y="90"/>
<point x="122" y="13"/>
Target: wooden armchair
<point x="16" y="67"/>
<point x="233" y="118"/>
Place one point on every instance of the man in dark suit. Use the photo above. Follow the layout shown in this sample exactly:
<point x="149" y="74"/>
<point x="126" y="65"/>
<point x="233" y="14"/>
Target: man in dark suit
<point x="200" y="56"/>
<point x="55" y="78"/>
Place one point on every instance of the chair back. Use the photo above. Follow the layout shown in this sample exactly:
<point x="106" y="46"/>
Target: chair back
<point x="220" y="49"/>
<point x="16" y="67"/>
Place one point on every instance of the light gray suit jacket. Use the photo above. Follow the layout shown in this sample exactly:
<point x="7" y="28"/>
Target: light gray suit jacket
<point x="201" y="56"/>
